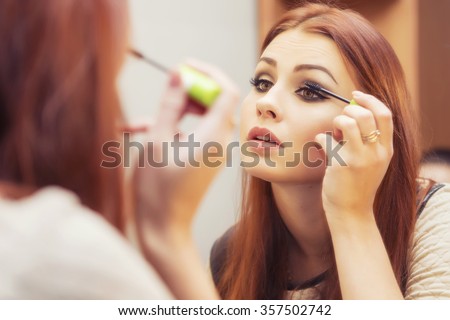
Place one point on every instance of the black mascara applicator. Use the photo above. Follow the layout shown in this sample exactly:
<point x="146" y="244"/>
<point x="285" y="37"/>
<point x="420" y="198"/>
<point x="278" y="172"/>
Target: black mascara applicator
<point x="199" y="87"/>
<point x="317" y="88"/>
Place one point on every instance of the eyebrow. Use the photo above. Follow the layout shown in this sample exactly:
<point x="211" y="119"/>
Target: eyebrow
<point x="300" y="67"/>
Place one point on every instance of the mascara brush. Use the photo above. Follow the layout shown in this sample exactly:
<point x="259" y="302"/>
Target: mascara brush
<point x="199" y="86"/>
<point x="157" y="65"/>
<point x="316" y="87"/>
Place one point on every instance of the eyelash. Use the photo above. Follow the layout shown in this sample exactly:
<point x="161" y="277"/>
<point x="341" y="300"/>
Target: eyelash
<point x="316" y="96"/>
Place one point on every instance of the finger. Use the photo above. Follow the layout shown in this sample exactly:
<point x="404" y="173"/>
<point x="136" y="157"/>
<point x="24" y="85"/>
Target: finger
<point x="172" y="107"/>
<point x="134" y="129"/>
<point x="364" y="118"/>
<point x="138" y="126"/>
<point x="350" y="130"/>
<point x="327" y="142"/>
<point x="229" y="93"/>
<point x="381" y="113"/>
<point x="217" y="124"/>
<point x="194" y="107"/>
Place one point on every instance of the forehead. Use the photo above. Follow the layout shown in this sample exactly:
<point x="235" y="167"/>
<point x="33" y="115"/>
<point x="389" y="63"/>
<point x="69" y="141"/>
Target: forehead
<point x="298" y="46"/>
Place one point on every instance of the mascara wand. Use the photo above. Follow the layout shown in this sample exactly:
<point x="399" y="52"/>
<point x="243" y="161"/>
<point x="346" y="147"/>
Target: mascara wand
<point x="316" y="87"/>
<point x="157" y="65"/>
<point x="199" y="86"/>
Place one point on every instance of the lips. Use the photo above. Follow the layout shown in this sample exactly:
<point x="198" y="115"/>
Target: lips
<point x="263" y="136"/>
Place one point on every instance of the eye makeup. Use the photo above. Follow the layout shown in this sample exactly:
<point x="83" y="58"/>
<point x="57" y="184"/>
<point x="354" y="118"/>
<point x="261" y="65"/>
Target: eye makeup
<point x="261" y="85"/>
<point x="319" y="89"/>
<point x="310" y="95"/>
<point x="304" y="92"/>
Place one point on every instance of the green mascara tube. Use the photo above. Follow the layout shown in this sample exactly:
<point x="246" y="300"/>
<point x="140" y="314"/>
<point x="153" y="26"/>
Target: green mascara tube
<point x="199" y="86"/>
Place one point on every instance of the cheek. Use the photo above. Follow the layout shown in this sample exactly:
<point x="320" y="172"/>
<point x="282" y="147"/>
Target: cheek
<point x="248" y="111"/>
<point x="304" y="130"/>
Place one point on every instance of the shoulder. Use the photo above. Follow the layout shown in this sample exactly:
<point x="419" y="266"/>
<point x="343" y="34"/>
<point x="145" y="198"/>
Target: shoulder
<point x="52" y="247"/>
<point x="218" y="254"/>
<point x="435" y="207"/>
<point x="429" y="262"/>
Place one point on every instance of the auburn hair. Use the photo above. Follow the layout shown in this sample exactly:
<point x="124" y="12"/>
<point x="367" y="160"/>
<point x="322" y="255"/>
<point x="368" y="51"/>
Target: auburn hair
<point x="58" y="98"/>
<point x="255" y="263"/>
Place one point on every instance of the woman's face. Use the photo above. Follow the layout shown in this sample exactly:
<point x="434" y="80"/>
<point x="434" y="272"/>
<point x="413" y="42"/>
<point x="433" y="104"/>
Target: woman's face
<point x="281" y="108"/>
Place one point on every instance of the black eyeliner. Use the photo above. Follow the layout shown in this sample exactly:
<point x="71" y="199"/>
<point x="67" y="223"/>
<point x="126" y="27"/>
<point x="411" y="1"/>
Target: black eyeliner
<point x="319" y="94"/>
<point x="255" y="82"/>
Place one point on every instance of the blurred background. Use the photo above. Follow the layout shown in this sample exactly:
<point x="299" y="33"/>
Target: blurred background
<point x="228" y="34"/>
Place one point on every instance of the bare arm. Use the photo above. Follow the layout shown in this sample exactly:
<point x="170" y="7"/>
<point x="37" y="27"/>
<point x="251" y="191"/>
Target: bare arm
<point x="179" y="265"/>
<point x="166" y="199"/>
<point x="348" y="194"/>
<point x="364" y="268"/>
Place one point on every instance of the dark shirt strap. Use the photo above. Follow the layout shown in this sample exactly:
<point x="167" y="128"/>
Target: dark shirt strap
<point x="425" y="192"/>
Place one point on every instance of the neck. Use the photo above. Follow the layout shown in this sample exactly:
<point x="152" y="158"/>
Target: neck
<point x="300" y="206"/>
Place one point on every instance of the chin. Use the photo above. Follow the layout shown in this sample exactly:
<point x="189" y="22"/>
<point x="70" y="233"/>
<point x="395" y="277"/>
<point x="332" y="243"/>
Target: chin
<point x="299" y="174"/>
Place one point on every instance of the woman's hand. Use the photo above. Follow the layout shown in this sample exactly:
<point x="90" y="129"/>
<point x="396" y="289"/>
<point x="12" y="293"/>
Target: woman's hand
<point x="348" y="194"/>
<point x="167" y="196"/>
<point x="349" y="188"/>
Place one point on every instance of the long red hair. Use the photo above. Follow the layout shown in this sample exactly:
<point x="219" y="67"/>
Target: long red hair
<point x="255" y="265"/>
<point x="58" y="98"/>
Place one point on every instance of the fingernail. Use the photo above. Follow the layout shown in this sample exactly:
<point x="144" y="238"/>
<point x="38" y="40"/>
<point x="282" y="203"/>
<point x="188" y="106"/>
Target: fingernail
<point x="175" y="79"/>
<point x="357" y="94"/>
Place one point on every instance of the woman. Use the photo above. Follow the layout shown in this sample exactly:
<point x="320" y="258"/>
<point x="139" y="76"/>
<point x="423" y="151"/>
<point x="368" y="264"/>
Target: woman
<point x="342" y="227"/>
<point x="58" y="107"/>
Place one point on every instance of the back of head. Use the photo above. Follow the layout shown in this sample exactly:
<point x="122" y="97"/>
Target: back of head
<point x="58" y="101"/>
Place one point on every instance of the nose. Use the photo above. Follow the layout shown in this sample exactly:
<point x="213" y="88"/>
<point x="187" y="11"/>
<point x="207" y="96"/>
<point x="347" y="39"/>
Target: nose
<point x="267" y="109"/>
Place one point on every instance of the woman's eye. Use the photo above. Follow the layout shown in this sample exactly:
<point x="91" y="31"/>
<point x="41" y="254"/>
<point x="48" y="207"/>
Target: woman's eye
<point x="309" y="95"/>
<point x="261" y="85"/>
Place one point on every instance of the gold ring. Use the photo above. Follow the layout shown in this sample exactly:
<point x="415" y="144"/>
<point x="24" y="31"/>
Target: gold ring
<point x="371" y="137"/>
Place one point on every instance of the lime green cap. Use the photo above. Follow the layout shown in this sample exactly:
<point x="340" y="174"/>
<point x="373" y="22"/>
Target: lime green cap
<point x="200" y="87"/>
<point x="353" y="102"/>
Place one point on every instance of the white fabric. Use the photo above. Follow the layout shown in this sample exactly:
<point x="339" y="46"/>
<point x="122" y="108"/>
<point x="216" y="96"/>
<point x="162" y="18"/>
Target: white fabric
<point x="429" y="262"/>
<point x="312" y="293"/>
<point x="51" y="247"/>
